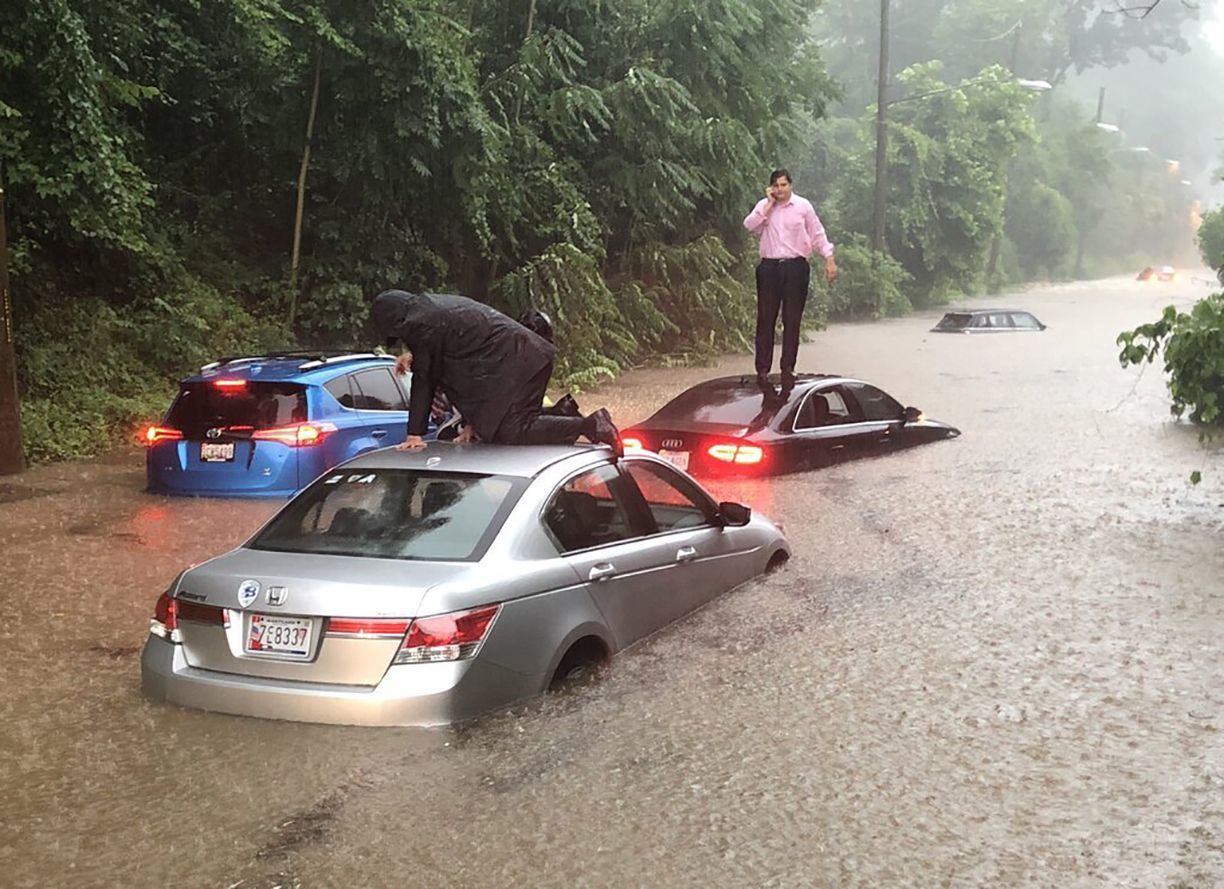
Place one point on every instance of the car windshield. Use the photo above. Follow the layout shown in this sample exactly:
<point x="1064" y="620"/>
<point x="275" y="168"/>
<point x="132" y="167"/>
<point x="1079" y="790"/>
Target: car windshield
<point x="732" y="406"/>
<point x="954" y="321"/>
<point x="236" y="405"/>
<point x="394" y="514"/>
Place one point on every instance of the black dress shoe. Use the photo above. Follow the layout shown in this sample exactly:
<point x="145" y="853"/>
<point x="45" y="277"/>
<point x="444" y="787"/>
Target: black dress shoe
<point x="606" y="431"/>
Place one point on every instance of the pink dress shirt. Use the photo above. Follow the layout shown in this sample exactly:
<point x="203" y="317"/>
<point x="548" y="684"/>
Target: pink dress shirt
<point x="791" y="229"/>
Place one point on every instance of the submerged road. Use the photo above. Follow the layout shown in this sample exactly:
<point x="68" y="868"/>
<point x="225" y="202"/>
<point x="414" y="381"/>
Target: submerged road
<point x="995" y="660"/>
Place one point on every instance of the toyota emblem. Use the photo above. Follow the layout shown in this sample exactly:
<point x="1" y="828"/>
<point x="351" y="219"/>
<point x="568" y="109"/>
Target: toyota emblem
<point x="213" y="433"/>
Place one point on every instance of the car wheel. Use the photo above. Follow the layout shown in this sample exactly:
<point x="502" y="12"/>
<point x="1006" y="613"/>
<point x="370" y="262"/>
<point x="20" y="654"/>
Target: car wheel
<point x="776" y="561"/>
<point x="580" y="665"/>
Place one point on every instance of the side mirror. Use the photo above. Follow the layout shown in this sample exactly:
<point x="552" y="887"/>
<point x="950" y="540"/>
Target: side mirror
<point x="734" y="514"/>
<point x="912" y="415"/>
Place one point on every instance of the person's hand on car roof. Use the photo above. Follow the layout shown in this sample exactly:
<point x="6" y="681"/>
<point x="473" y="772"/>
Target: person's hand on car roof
<point x="411" y="443"/>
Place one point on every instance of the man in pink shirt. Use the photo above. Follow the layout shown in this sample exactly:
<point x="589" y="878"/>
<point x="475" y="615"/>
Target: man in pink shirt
<point x="789" y="230"/>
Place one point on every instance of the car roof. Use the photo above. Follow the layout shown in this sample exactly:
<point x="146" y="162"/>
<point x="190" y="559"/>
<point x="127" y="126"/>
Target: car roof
<point x="296" y="366"/>
<point x="523" y="461"/>
<point x="984" y="311"/>
<point x="740" y="387"/>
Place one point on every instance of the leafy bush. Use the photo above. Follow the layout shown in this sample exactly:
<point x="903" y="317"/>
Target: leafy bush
<point x="1193" y="347"/>
<point x="1211" y="240"/>
<point x="862" y="289"/>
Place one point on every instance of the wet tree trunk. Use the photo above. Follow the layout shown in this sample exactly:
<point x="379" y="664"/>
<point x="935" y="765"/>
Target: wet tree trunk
<point x="301" y="192"/>
<point x="12" y="456"/>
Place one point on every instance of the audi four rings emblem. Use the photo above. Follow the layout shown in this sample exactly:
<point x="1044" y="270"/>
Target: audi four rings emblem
<point x="673" y="444"/>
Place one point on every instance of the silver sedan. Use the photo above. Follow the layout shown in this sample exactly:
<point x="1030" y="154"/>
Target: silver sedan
<point x="423" y="588"/>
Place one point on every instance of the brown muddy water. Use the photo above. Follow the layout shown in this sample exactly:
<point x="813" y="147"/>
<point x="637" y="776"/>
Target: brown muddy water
<point x="995" y="660"/>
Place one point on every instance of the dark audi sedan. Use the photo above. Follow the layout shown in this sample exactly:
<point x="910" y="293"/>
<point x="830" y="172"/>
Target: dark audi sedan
<point x="733" y="426"/>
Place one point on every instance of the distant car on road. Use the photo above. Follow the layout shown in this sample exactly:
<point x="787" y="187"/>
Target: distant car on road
<point x="988" y="321"/>
<point x="425" y="587"/>
<point x="1159" y="273"/>
<point x="267" y="425"/>
<point x="731" y="425"/>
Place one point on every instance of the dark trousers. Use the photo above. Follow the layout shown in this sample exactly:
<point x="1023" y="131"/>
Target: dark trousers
<point x="524" y="424"/>
<point x="781" y="283"/>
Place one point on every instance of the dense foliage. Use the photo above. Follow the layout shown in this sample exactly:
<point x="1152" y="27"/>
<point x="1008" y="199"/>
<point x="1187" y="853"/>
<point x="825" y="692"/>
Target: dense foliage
<point x="186" y="179"/>
<point x="1192" y="343"/>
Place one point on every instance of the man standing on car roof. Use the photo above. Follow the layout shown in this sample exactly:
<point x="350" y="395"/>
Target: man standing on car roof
<point x="492" y="369"/>
<point x="789" y="230"/>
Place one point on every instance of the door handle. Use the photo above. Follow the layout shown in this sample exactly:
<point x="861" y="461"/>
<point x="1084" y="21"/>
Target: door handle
<point x="602" y="571"/>
<point x="686" y="554"/>
<point x="838" y="447"/>
<point x="379" y="433"/>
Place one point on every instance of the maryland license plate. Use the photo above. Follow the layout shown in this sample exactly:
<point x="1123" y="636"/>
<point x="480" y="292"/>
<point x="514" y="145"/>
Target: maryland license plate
<point x="216" y="451"/>
<point x="678" y="459"/>
<point x="273" y="634"/>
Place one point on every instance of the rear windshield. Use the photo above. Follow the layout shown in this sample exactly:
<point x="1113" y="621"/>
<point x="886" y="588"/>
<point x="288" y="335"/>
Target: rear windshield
<point x="953" y="321"/>
<point x="249" y="406"/>
<point x="394" y="514"/>
<point x="734" y="407"/>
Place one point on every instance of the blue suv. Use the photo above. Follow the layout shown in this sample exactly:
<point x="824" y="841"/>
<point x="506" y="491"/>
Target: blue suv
<point x="266" y="426"/>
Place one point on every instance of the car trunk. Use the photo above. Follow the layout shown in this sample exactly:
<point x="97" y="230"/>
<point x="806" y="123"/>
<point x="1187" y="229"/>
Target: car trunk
<point x="310" y="618"/>
<point x="220" y="425"/>
<point x="687" y="445"/>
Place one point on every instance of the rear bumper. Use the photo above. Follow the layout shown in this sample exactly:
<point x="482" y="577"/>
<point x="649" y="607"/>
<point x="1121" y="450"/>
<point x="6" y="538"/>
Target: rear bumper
<point x="168" y="472"/>
<point x="410" y="694"/>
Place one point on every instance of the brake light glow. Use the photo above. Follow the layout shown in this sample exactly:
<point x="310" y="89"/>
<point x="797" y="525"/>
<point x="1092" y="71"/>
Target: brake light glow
<point x="230" y="385"/>
<point x="743" y="454"/>
<point x="154" y="434"/>
<point x="446" y="637"/>
<point x="299" y="435"/>
<point x="632" y="444"/>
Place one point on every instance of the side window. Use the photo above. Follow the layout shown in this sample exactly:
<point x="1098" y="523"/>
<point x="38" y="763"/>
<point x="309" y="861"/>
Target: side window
<point x="673" y="500"/>
<point x="341" y="390"/>
<point x="876" y="405"/>
<point x="981" y="321"/>
<point x="586" y="512"/>
<point x="379" y="391"/>
<point x="826" y="407"/>
<point x="1001" y="319"/>
<point x="1025" y="321"/>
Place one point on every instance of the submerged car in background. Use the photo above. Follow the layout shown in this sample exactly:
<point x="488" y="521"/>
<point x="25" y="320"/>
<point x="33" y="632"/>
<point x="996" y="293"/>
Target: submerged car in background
<point x="425" y="587"/>
<point x="988" y="321"/>
<point x="731" y="425"/>
<point x="265" y="426"/>
<point x="1158" y="273"/>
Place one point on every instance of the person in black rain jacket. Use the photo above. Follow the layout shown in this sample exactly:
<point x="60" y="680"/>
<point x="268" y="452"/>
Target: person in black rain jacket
<point x="491" y="368"/>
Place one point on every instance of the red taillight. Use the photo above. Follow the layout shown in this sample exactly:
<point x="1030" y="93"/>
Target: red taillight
<point x="230" y="385"/>
<point x="743" y="454"/>
<point x="299" y="435"/>
<point x="165" y="618"/>
<point x="209" y="614"/>
<point x="368" y="626"/>
<point x="446" y="637"/>
<point x="630" y="443"/>
<point x="154" y="434"/>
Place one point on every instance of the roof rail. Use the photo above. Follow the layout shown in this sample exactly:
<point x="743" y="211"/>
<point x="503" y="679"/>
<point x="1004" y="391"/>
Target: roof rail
<point x="312" y="357"/>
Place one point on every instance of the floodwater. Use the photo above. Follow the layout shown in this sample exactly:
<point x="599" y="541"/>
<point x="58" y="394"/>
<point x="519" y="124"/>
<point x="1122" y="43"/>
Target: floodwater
<point x="993" y="661"/>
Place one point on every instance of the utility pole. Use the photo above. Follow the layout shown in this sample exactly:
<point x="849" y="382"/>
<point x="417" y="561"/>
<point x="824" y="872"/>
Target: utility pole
<point x="12" y="457"/>
<point x="881" y="147"/>
<point x="1100" y="105"/>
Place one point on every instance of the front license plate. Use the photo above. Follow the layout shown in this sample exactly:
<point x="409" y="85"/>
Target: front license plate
<point x="269" y="634"/>
<point x="217" y="451"/>
<point x="678" y="459"/>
